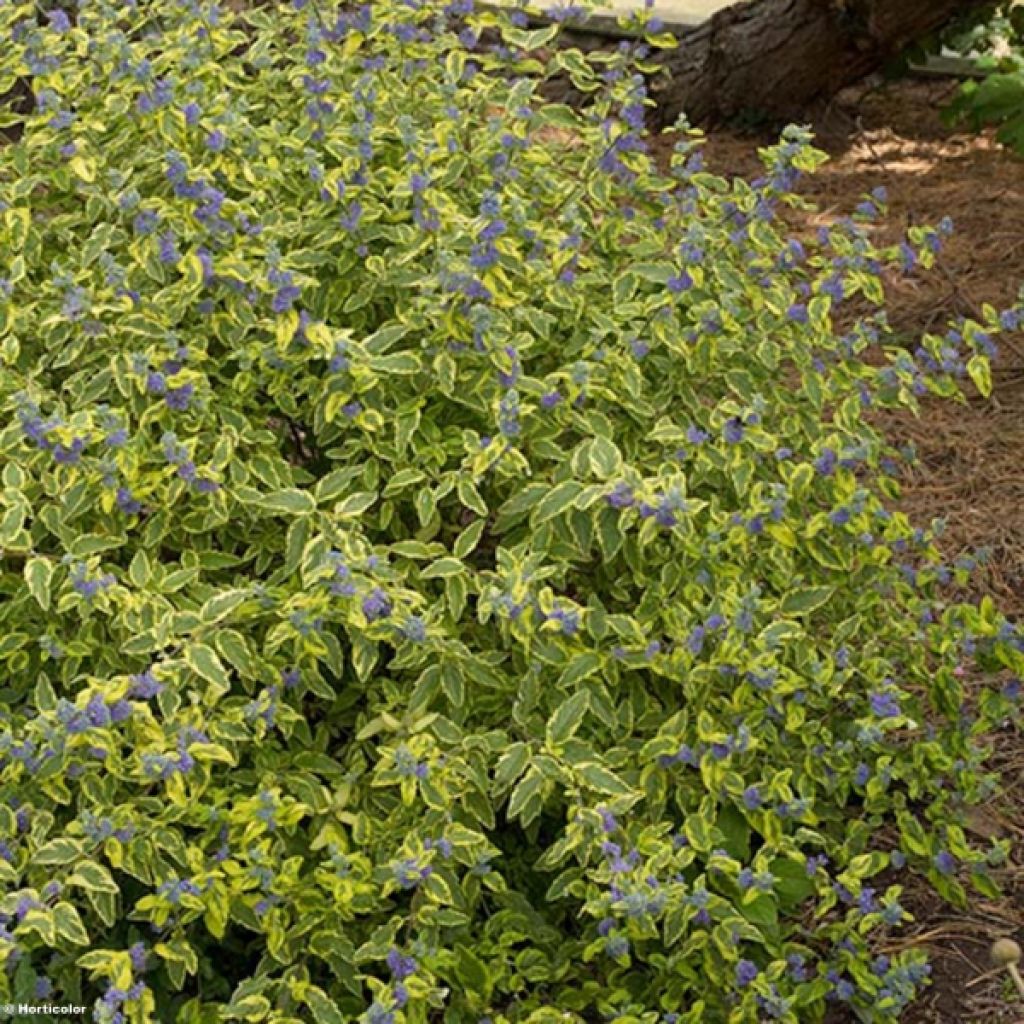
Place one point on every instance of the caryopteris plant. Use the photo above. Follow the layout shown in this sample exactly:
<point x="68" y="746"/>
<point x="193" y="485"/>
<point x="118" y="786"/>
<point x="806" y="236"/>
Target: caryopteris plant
<point x="448" y="567"/>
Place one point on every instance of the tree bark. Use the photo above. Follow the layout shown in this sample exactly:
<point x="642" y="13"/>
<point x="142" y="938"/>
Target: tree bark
<point x="777" y="56"/>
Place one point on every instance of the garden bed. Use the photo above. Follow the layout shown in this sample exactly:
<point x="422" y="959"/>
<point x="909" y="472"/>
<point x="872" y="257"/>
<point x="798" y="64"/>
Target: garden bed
<point x="971" y="469"/>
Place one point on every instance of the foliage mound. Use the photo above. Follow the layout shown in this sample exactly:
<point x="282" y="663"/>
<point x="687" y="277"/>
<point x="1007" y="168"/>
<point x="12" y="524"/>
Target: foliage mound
<point x="448" y="567"/>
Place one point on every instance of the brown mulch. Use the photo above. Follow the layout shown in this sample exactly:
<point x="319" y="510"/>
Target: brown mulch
<point x="971" y="456"/>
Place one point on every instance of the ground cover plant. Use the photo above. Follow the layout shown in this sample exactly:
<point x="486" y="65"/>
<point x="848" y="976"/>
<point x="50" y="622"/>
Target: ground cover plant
<point x="996" y="97"/>
<point x="448" y="569"/>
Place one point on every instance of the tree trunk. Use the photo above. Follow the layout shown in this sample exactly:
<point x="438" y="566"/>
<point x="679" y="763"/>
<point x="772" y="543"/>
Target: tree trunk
<point x="776" y="56"/>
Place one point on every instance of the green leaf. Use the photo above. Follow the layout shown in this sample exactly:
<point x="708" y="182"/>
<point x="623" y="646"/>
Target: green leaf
<point x="58" y="851"/>
<point x="221" y="605"/>
<point x="525" y="802"/>
<point x="470" y="970"/>
<point x="511" y="764"/>
<point x="557" y="500"/>
<point x="233" y="646"/>
<point x="323" y="1008"/>
<point x="443" y="568"/>
<point x="204" y="662"/>
<point x="469" y="538"/>
<point x="399" y="363"/>
<point x="356" y="504"/>
<point x="288" y="502"/>
<point x="139" y="571"/>
<point x="760" y="910"/>
<point x="94" y="877"/>
<point x="801" y="602"/>
<point x="697" y="830"/>
<point x="69" y="925"/>
<point x="567" y="719"/>
<point x="605" y="458"/>
<point x="582" y="666"/>
<point x="981" y="373"/>
<point x="596" y="776"/>
<point x="38" y="574"/>
<point x="335" y="483"/>
<point x="470" y="497"/>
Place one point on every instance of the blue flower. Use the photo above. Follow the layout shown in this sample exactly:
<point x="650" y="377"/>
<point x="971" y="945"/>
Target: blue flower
<point x="695" y="641"/>
<point x="884" y="705"/>
<point x="179" y="399"/>
<point x="679" y="282"/>
<point x="376" y="605"/>
<point x="892" y="914"/>
<point x="866" y="902"/>
<point x="414" y="629"/>
<point x="401" y="967"/>
<point x="733" y="430"/>
<point x="144" y="685"/>
<point x="59" y="21"/>
<point x="621" y="496"/>
<point x="826" y="463"/>
<point x="746" y="973"/>
<point x="168" y="249"/>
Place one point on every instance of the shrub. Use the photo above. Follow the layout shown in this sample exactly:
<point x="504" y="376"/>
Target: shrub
<point x="997" y="98"/>
<point x="448" y="565"/>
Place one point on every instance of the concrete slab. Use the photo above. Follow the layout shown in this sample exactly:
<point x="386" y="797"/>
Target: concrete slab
<point x="604" y="15"/>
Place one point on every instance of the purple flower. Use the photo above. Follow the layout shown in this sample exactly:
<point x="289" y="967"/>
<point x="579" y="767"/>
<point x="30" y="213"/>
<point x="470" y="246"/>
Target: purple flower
<point x="179" y="399"/>
<point x="401" y="967"/>
<point x="168" y="249"/>
<point x="892" y="914"/>
<point x="69" y="455"/>
<point x="129" y="505"/>
<point x="137" y="952"/>
<point x="733" y="430"/>
<point x="120" y="710"/>
<point x="59" y="21"/>
<point x="945" y="862"/>
<point x="284" y="298"/>
<point x="884" y="705"/>
<point x="751" y="798"/>
<point x="746" y="973"/>
<point x="144" y="685"/>
<point x="621" y="496"/>
<point x="695" y="641"/>
<point x="680" y="282"/>
<point x="216" y="141"/>
<point x="376" y="605"/>
<point x="826" y="463"/>
<point x="192" y="112"/>
<point x="866" y="901"/>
